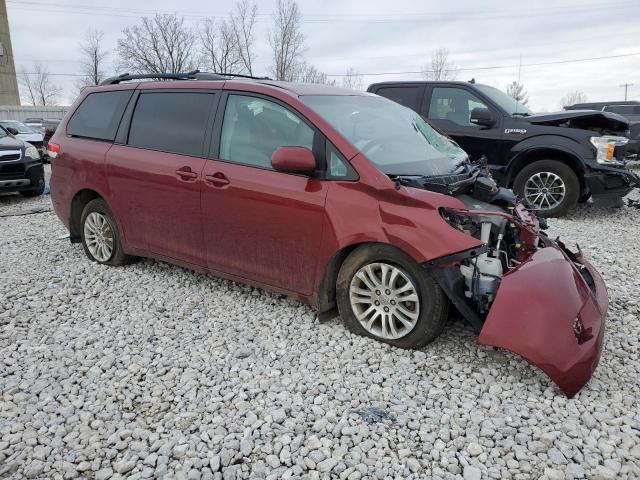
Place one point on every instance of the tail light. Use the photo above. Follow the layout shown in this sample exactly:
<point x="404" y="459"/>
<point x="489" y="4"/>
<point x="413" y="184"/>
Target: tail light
<point x="53" y="149"/>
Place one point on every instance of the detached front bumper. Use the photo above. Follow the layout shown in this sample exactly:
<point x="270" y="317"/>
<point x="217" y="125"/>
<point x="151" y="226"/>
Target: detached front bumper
<point x="551" y="311"/>
<point x="611" y="182"/>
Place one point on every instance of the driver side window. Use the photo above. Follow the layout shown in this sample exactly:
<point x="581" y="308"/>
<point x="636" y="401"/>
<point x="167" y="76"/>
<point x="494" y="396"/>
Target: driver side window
<point x="253" y="128"/>
<point x="454" y="105"/>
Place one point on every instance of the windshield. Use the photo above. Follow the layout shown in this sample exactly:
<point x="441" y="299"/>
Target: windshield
<point x="509" y="104"/>
<point x="393" y="137"/>
<point x="20" y="127"/>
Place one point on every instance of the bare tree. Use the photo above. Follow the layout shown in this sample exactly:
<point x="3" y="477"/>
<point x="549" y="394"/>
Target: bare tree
<point x="573" y="97"/>
<point x="310" y="74"/>
<point x="286" y="40"/>
<point x="38" y="87"/>
<point x="242" y="22"/>
<point x="441" y="67"/>
<point x="516" y="91"/>
<point x="353" y="80"/>
<point x="92" y="63"/>
<point x="159" y="44"/>
<point x="218" y="47"/>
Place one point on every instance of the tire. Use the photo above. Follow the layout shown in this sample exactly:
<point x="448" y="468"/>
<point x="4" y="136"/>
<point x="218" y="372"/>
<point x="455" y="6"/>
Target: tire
<point x="548" y="174"/>
<point x="430" y="312"/>
<point x="95" y="212"/>
<point x="32" y="193"/>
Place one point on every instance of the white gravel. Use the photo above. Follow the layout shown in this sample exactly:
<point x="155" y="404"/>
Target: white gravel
<point x="155" y="371"/>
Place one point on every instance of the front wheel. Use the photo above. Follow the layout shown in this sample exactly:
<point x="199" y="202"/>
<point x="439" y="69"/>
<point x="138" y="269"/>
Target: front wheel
<point x="383" y="294"/>
<point x="549" y="186"/>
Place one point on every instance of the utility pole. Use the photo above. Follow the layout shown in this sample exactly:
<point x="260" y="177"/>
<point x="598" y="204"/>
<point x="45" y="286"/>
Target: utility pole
<point x="626" y="87"/>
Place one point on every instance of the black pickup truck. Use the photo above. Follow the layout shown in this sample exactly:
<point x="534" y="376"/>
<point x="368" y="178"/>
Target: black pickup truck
<point x="551" y="161"/>
<point x="21" y="167"/>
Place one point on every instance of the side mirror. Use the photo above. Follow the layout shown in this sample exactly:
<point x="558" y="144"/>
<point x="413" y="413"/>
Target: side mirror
<point x="12" y="131"/>
<point x="483" y="117"/>
<point x="293" y="160"/>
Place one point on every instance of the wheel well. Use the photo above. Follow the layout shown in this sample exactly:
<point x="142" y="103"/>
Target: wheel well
<point x="546" y="154"/>
<point x="327" y="293"/>
<point x="78" y="203"/>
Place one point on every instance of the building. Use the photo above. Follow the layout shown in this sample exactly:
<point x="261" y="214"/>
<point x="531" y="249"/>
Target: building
<point x="9" y="94"/>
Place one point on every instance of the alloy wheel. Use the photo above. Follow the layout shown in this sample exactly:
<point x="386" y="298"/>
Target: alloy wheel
<point x="98" y="236"/>
<point x="384" y="300"/>
<point x="544" y="190"/>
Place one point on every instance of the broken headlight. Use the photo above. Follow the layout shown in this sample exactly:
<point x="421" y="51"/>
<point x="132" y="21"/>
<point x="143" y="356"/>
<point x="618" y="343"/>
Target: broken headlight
<point x="606" y="146"/>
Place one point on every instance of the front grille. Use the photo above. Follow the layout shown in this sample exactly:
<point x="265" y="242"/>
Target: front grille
<point x="11" y="170"/>
<point x="9" y="155"/>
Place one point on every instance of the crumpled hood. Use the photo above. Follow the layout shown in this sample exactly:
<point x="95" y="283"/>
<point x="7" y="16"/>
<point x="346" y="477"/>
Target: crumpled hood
<point x="587" y="119"/>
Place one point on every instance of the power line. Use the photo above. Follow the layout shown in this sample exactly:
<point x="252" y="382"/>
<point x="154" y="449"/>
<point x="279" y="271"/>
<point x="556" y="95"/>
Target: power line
<point x="490" y="67"/>
<point x="494" y="67"/>
<point x="74" y="8"/>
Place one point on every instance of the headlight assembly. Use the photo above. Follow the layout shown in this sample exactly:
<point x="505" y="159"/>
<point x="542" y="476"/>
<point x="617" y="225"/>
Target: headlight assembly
<point x="605" y="148"/>
<point x="32" y="152"/>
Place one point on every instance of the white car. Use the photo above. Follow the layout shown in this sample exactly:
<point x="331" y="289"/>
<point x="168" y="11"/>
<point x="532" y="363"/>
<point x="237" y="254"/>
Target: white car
<point x="24" y="132"/>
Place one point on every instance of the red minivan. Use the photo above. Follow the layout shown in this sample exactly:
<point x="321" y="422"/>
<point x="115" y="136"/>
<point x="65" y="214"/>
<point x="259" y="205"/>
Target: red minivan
<point x="344" y="199"/>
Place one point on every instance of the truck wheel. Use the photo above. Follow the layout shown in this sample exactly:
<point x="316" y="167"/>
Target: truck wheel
<point x="549" y="186"/>
<point x="32" y="193"/>
<point x="383" y="294"/>
<point x="100" y="236"/>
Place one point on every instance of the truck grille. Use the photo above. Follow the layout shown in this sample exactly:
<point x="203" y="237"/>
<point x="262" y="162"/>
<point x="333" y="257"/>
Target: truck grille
<point x="9" y="155"/>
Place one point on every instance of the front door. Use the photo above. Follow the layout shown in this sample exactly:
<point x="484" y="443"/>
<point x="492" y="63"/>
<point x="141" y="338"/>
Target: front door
<point x="258" y="223"/>
<point x="450" y="109"/>
<point x="155" y="179"/>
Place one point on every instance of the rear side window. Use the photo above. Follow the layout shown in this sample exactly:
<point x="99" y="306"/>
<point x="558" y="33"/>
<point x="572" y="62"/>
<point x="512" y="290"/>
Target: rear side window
<point x="407" y="96"/>
<point x="174" y="122"/>
<point x="98" y="116"/>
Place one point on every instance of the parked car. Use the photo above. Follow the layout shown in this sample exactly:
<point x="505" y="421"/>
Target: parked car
<point x="33" y="122"/>
<point x="23" y="132"/>
<point x="551" y="160"/>
<point x="629" y="110"/>
<point x="336" y="197"/>
<point x="49" y="126"/>
<point x="21" y="168"/>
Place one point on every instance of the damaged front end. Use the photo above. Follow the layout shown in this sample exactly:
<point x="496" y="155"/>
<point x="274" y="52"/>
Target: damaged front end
<point x="523" y="291"/>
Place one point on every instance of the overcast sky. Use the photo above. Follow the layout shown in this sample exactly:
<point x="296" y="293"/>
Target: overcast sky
<point x="383" y="36"/>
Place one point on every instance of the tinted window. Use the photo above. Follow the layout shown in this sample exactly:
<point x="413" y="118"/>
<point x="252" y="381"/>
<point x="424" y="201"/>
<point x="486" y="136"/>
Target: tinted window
<point x="407" y="96"/>
<point x="454" y="104"/>
<point x="99" y="115"/>
<point x="254" y="128"/>
<point x="171" y="122"/>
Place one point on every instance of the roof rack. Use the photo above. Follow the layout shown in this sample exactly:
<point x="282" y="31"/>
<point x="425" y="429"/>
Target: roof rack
<point x="193" y="75"/>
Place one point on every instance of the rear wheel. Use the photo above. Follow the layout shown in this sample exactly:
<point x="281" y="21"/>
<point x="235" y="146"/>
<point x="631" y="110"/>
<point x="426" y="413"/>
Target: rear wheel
<point x="100" y="236"/>
<point x="383" y="294"/>
<point x="549" y="186"/>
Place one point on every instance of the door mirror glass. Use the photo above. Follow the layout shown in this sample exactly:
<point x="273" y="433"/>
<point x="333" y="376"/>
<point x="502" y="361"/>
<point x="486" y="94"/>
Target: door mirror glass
<point x="482" y="117"/>
<point x="293" y="160"/>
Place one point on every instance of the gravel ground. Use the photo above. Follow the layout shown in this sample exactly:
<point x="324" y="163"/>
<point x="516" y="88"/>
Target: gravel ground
<point x="154" y="370"/>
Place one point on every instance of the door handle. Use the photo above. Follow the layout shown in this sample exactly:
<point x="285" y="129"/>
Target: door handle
<point x="186" y="174"/>
<point x="218" y="179"/>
